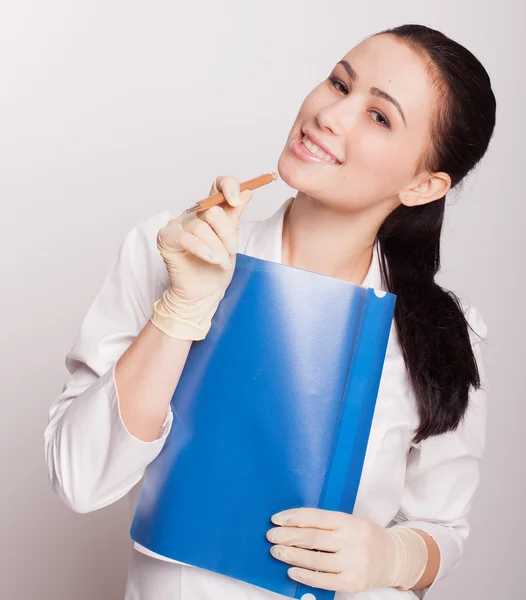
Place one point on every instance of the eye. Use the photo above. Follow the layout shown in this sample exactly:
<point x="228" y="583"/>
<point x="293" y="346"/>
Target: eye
<point x="337" y="84"/>
<point x="341" y="87"/>
<point x="383" y="122"/>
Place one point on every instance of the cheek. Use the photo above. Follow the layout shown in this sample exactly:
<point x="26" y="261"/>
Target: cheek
<point x="379" y="155"/>
<point x="312" y="104"/>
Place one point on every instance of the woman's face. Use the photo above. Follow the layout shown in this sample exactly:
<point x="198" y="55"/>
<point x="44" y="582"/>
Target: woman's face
<point x="375" y="142"/>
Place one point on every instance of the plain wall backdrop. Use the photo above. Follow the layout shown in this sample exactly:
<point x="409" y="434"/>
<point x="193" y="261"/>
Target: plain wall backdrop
<point x="113" y="110"/>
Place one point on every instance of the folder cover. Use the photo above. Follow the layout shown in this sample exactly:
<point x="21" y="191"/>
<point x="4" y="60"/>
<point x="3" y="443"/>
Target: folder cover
<point x="272" y="411"/>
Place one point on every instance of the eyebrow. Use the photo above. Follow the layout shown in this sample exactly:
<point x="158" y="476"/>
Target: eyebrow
<point x="374" y="91"/>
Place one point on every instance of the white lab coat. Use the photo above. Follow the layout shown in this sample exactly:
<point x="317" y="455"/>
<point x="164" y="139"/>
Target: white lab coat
<point x="93" y="460"/>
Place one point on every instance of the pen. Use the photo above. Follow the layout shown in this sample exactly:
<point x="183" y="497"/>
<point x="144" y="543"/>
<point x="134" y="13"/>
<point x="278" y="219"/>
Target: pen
<point x="218" y="198"/>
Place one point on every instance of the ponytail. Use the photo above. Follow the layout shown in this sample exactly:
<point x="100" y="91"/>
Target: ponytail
<point x="432" y="329"/>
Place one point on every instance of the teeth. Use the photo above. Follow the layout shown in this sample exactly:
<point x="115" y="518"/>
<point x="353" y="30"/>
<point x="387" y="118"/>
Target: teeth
<point x="317" y="151"/>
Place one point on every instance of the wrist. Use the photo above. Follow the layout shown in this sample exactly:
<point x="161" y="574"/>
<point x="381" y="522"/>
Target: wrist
<point x="183" y="319"/>
<point x="409" y="557"/>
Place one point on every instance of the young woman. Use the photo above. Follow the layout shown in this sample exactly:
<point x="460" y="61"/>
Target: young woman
<point x="373" y="152"/>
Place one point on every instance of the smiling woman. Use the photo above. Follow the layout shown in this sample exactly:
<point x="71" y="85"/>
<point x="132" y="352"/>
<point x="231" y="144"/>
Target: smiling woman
<point x="401" y="119"/>
<point x="373" y="114"/>
<point x="391" y="154"/>
<point x="373" y="151"/>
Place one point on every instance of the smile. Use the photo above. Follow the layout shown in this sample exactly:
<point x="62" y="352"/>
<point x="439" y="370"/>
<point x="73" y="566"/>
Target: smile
<point x="317" y="151"/>
<point x="305" y="149"/>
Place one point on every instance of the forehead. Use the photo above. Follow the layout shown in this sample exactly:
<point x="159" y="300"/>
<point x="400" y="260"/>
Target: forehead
<point x="393" y="66"/>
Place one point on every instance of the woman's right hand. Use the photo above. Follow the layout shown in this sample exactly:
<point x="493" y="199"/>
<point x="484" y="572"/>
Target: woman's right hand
<point x="199" y="251"/>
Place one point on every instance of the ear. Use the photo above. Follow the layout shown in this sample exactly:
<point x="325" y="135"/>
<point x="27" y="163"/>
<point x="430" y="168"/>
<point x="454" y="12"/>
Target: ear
<point x="428" y="187"/>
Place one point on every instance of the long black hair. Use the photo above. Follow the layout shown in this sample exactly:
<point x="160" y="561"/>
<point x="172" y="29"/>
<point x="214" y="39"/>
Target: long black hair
<point x="432" y="329"/>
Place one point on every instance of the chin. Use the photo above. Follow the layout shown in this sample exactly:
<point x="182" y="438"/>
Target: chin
<point x="288" y="171"/>
<point x="299" y="176"/>
<point x="295" y="173"/>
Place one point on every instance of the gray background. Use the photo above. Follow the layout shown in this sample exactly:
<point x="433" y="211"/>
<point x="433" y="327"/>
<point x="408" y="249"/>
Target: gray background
<point x="111" y="111"/>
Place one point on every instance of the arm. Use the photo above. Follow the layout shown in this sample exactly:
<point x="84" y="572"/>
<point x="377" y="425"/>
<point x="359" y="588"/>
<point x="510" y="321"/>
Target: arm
<point x="442" y="477"/>
<point x="339" y="551"/>
<point x="113" y="415"/>
<point x="433" y="561"/>
<point x="105" y="427"/>
<point x="146" y="376"/>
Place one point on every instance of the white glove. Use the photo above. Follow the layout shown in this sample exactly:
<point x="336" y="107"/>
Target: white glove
<point x="199" y="251"/>
<point x="342" y="552"/>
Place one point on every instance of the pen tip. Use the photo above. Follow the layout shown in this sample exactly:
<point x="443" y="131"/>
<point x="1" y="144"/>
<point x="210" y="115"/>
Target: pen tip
<point x="274" y="176"/>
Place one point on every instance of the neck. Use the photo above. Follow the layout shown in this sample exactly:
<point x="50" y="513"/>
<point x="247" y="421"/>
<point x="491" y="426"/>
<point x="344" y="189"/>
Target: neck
<point x="318" y="238"/>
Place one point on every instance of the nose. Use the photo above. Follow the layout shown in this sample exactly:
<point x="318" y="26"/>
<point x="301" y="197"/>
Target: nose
<point x="328" y="119"/>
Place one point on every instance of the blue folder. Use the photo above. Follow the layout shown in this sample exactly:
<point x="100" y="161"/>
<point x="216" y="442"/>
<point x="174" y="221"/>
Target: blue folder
<point x="272" y="411"/>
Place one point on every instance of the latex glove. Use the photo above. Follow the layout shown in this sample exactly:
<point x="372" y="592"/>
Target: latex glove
<point x="199" y="251"/>
<point x="354" y="555"/>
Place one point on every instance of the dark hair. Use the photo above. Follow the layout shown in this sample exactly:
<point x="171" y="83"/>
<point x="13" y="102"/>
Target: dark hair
<point x="430" y="322"/>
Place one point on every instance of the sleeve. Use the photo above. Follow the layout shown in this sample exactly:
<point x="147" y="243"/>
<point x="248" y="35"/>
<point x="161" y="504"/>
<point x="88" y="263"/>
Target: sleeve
<point x="443" y="474"/>
<point x="91" y="457"/>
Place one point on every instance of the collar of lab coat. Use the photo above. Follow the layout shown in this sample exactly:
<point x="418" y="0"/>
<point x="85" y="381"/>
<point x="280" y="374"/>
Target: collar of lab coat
<point x="266" y="242"/>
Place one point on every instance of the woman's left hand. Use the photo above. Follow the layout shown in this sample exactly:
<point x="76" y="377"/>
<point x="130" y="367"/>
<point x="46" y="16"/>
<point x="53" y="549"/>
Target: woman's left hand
<point x="336" y="551"/>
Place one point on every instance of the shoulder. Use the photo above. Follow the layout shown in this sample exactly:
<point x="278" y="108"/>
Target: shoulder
<point x="478" y="329"/>
<point x="139" y="259"/>
<point x="144" y="233"/>
<point x="148" y="228"/>
<point x="141" y="239"/>
<point x="140" y="254"/>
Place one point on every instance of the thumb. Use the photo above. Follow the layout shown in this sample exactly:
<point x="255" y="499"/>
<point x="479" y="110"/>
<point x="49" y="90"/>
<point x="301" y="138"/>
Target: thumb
<point x="236" y="211"/>
<point x="244" y="198"/>
<point x="213" y="189"/>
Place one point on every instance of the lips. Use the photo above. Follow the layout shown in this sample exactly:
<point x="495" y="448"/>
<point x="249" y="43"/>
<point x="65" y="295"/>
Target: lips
<point x="320" y="144"/>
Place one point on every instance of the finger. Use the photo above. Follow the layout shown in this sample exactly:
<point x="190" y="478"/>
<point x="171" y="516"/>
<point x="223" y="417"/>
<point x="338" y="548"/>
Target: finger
<point x="223" y="226"/>
<point x="237" y="211"/>
<point x="168" y="236"/>
<point x="230" y="188"/>
<point x="307" y="537"/>
<point x="308" y="559"/>
<point x="324" y="581"/>
<point x="198" y="248"/>
<point x="311" y="517"/>
<point x="204" y="232"/>
<point x="174" y="237"/>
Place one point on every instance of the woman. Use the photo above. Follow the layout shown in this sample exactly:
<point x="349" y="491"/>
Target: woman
<point x="373" y="152"/>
